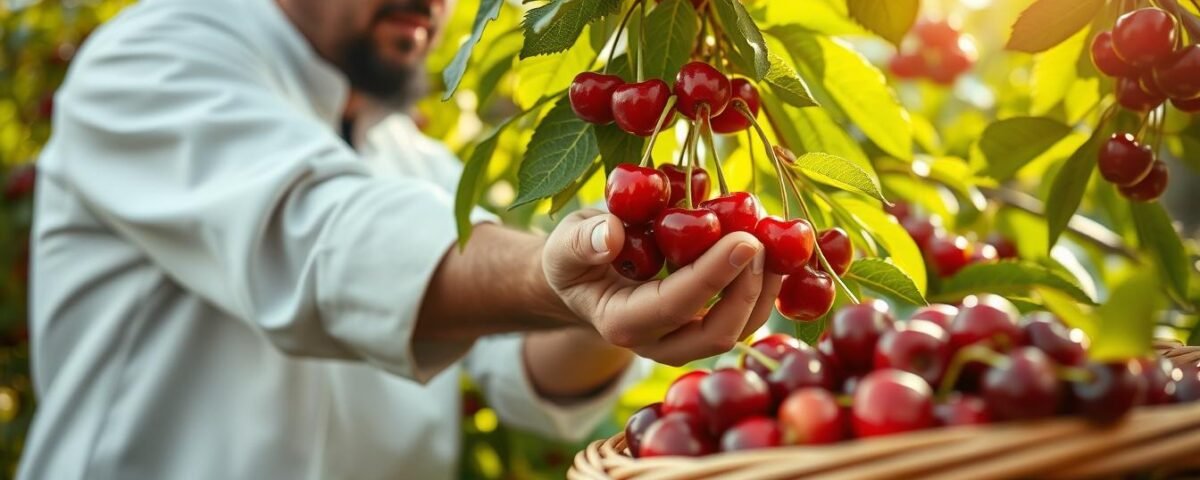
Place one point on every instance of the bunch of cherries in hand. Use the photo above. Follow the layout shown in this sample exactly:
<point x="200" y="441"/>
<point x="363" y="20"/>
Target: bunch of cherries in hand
<point x="668" y="215"/>
<point x="947" y="253"/>
<point x="938" y="52"/>
<point x="871" y="375"/>
<point x="1144" y="54"/>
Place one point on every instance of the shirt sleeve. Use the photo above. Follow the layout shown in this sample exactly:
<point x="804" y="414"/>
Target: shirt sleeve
<point x="497" y="365"/>
<point x="188" y="147"/>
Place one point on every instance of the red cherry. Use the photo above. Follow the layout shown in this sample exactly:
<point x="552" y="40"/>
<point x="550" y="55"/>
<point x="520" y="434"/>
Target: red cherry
<point x="960" y="409"/>
<point x="20" y="182"/>
<point x="949" y="254"/>
<point x="900" y="210"/>
<point x="948" y="64"/>
<point x="1144" y="36"/>
<point x="774" y="346"/>
<point x="637" y="106"/>
<point x="1187" y="106"/>
<point x="730" y="395"/>
<point x="908" y="65"/>
<point x="1187" y="383"/>
<point x="799" y="368"/>
<point x="854" y="332"/>
<point x="1132" y="96"/>
<point x="591" y="96"/>
<point x="676" y="434"/>
<point x="835" y="244"/>
<point x="639" y="422"/>
<point x="1151" y="187"/>
<point x="811" y="416"/>
<point x="922" y="230"/>
<point x="752" y="433"/>
<point x="1065" y="347"/>
<point x="788" y="243"/>
<point x="1160" y="387"/>
<point x="732" y="120"/>
<point x="986" y="318"/>
<point x="1179" y="76"/>
<point x="1111" y="392"/>
<point x="684" y="394"/>
<point x="1022" y="387"/>
<point x="1005" y="248"/>
<point x="678" y="178"/>
<point x="916" y="346"/>
<point x="640" y="258"/>
<point x="737" y="211"/>
<point x="939" y="314"/>
<point x="684" y="235"/>
<point x="983" y="253"/>
<point x="829" y="357"/>
<point x="698" y="83"/>
<point x="1106" y="59"/>
<point x="891" y="401"/>
<point x="937" y="33"/>
<point x="805" y="296"/>
<point x="636" y="194"/>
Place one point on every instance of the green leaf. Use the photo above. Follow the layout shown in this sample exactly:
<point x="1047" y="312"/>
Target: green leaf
<point x="749" y="46"/>
<point x="1069" y="185"/>
<point x="883" y="277"/>
<point x="488" y="10"/>
<point x="470" y="184"/>
<point x="673" y="25"/>
<point x="840" y="173"/>
<point x="1007" y="278"/>
<point x="563" y="198"/>
<point x="550" y="75"/>
<point x="562" y="148"/>
<point x="857" y="87"/>
<point x="809" y="332"/>
<point x="886" y="231"/>
<point x="1158" y="237"/>
<point x="555" y="26"/>
<point x="1055" y="71"/>
<point x="618" y="147"/>
<point x="787" y="84"/>
<point x="889" y="19"/>
<point x="813" y="130"/>
<point x="1070" y="311"/>
<point x="1047" y="23"/>
<point x="1011" y="143"/>
<point x="1126" y="320"/>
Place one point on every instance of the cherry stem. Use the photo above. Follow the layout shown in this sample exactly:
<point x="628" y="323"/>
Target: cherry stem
<point x="973" y="353"/>
<point x="792" y="180"/>
<point x="743" y="109"/>
<point x="662" y="118"/>
<point x="762" y="358"/>
<point x="706" y="114"/>
<point x="1158" y="129"/>
<point x="687" y="173"/>
<point x="753" y="161"/>
<point x="687" y="146"/>
<point x="1190" y="22"/>
<point x="641" y="40"/>
<point x="617" y="35"/>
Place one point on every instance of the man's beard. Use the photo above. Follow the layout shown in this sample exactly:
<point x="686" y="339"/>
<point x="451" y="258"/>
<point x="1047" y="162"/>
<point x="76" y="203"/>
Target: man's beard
<point x="396" y="87"/>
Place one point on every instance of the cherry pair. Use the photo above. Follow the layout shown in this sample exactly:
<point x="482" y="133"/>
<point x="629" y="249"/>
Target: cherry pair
<point x="1141" y="53"/>
<point x="1132" y="168"/>
<point x="808" y="291"/>
<point x="938" y="51"/>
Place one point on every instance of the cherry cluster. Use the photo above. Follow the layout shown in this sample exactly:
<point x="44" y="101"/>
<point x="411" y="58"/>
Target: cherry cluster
<point x="871" y="375"/>
<point x="1131" y="166"/>
<point x="1141" y="52"/>
<point x="937" y="51"/>
<point x="947" y="253"/>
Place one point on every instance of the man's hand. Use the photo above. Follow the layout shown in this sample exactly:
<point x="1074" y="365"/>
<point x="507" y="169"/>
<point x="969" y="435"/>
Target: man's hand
<point x="663" y="320"/>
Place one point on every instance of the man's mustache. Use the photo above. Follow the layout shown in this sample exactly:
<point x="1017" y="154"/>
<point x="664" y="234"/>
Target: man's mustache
<point x="412" y="8"/>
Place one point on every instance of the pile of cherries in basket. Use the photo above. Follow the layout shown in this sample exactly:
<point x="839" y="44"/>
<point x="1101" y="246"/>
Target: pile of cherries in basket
<point x="871" y="375"/>
<point x="947" y="253"/>
<point x="937" y="51"/>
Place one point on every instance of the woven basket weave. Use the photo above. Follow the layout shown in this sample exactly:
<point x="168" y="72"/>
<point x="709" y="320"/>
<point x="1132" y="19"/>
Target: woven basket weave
<point x="1162" y="439"/>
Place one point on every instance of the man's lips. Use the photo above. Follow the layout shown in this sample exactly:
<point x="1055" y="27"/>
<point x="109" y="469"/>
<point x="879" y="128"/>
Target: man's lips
<point x="409" y="19"/>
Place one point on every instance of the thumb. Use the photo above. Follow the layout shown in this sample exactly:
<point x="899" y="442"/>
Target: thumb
<point x="584" y="239"/>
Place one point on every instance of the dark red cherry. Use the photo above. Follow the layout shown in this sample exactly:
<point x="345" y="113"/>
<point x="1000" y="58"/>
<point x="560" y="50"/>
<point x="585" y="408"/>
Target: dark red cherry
<point x="677" y="176"/>
<point x="1112" y="390"/>
<point x="752" y="433"/>
<point x="805" y="296"/>
<point x="812" y="416"/>
<point x="730" y="395"/>
<point x="697" y="84"/>
<point x="891" y="401"/>
<point x="737" y="211"/>
<point x="1179" y="76"/>
<point x="922" y="230"/>
<point x="1123" y="161"/>
<point x="684" y="394"/>
<point x="1144" y="37"/>
<point x="940" y="314"/>
<point x="774" y="346"/>
<point x="799" y="368"/>
<point x="640" y="258"/>
<point x="676" y="434"/>
<point x="962" y="409"/>
<point x="788" y="243"/>
<point x="1005" y="248"/>
<point x="1150" y="188"/>
<point x="986" y="318"/>
<point x="908" y="65"/>
<point x="1187" y="106"/>
<point x="1106" y="59"/>
<point x="684" y="235"/>
<point x="1132" y="96"/>
<point x="855" y="330"/>
<point x="732" y="120"/>
<point x="1065" y="347"/>
<point x="1156" y="375"/>
<point x="835" y="244"/>
<point x="639" y="422"/>
<point x="1022" y="387"/>
<point x="947" y="64"/>
<point x="983" y="253"/>
<point x="899" y="209"/>
<point x="1187" y="383"/>
<point x="948" y="255"/>
<point x="915" y="346"/>
<point x="591" y="96"/>
<point x="636" y="107"/>
<point x="636" y="194"/>
<point x="829" y="357"/>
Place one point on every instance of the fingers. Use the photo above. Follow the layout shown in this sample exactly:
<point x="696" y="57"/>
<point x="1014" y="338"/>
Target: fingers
<point x="766" y="303"/>
<point x="686" y="291"/>
<point x="583" y="240"/>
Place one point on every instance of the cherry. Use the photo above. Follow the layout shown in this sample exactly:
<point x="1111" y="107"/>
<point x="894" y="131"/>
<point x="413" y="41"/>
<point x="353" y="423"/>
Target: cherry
<point x="915" y="346"/>
<point x="1113" y="390"/>
<point x="1160" y="387"/>
<point x="800" y="368"/>
<point x="1047" y="334"/>
<point x="774" y="346"/>
<point x="1187" y="106"/>
<point x="908" y="65"/>
<point x="684" y="394"/>
<point x="983" y="253"/>
<point x="1132" y="96"/>
<point x="922" y="230"/>
<point x="829" y="357"/>
<point x="20" y="182"/>
<point x="677" y="176"/>
<point x="639" y="422"/>
<point x="891" y="401"/>
<point x="737" y="211"/>
<point x="684" y="235"/>
<point x="640" y="258"/>
<point x="937" y="33"/>
<point x="1150" y="86"/>
<point x="1144" y="36"/>
<point x="636" y="194"/>
<point x="948" y="254"/>
<point x="676" y="434"/>
<point x="788" y="243"/>
<point x="962" y="409"/>
<point x="1187" y="383"/>
<point x="732" y="120"/>
<point x="1022" y="387"/>
<point x="948" y="64"/>
<point x="939" y="314"/>
<point x="805" y="296"/>
<point x="900" y="210"/>
<point x="850" y="385"/>
<point x="1106" y="59"/>
<point x="855" y="330"/>
<point x="1151" y="187"/>
<point x="729" y="395"/>
<point x="752" y="433"/>
<point x="1005" y="248"/>
<point x="637" y="106"/>
<point x="698" y="83"/>
<point x="591" y="96"/>
<point x="835" y="244"/>
<point x="812" y="416"/>
<point x="986" y="318"/>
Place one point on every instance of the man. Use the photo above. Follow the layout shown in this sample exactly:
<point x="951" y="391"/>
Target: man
<point x="223" y="289"/>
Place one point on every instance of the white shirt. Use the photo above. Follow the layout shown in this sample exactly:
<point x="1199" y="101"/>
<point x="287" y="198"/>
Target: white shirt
<point x="223" y="289"/>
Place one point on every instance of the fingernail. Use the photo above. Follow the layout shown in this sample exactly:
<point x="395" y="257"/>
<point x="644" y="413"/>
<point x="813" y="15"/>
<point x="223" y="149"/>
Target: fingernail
<point x="600" y="238"/>
<point x="742" y="254"/>
<point x="759" y="259"/>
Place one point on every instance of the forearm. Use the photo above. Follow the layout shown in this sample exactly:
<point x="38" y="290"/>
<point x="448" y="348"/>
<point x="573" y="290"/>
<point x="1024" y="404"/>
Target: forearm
<point x="571" y="363"/>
